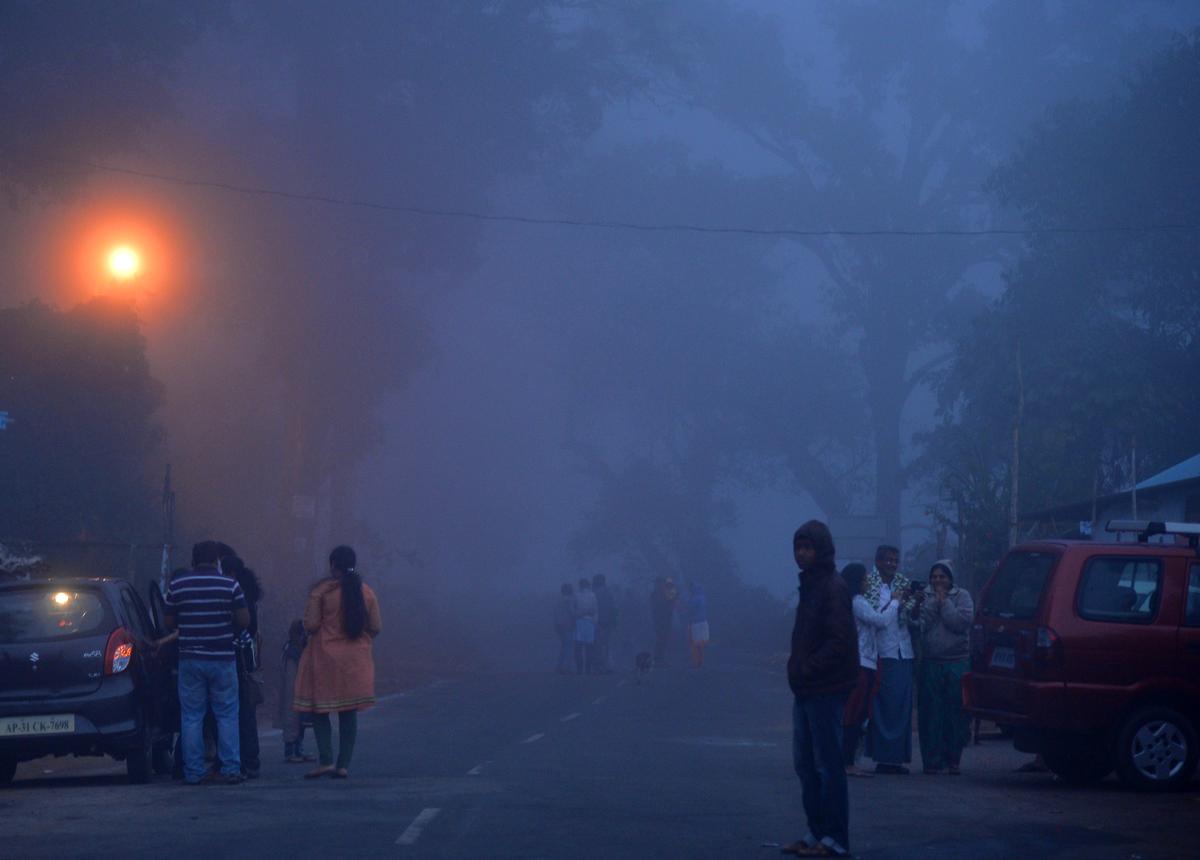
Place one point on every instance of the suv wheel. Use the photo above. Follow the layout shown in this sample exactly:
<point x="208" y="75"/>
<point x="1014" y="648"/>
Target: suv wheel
<point x="1078" y="764"/>
<point x="138" y="763"/>
<point x="1157" y="750"/>
<point x="8" y="769"/>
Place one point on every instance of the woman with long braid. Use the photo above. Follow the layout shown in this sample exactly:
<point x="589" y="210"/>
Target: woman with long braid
<point x="337" y="670"/>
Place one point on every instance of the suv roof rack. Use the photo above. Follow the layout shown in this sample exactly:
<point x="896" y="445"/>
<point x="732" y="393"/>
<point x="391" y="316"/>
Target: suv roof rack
<point x="1146" y="529"/>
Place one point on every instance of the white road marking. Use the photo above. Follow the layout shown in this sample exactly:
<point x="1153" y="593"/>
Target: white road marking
<point x="569" y="717"/>
<point x="598" y="701"/>
<point x="475" y="771"/>
<point x="533" y="738"/>
<point x="413" y="832"/>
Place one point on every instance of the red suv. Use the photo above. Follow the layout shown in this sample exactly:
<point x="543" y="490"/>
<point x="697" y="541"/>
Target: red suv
<point x="1090" y="654"/>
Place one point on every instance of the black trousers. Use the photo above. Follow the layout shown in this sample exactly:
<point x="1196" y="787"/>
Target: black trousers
<point x="248" y="729"/>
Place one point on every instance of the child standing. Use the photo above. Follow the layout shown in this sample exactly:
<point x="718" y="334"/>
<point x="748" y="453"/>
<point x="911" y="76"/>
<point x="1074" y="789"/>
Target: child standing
<point x="291" y="721"/>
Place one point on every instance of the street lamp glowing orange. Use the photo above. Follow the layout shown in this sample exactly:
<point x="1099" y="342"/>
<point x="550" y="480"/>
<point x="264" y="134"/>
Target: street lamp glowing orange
<point x="124" y="263"/>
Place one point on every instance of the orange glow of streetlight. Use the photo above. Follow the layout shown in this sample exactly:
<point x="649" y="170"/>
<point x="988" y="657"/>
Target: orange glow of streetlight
<point x="124" y="263"/>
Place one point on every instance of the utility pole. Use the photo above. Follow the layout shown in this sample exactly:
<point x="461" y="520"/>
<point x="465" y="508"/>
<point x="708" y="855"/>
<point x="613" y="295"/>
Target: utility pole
<point x="1133" y="469"/>
<point x="168" y="522"/>
<point x="1014" y="507"/>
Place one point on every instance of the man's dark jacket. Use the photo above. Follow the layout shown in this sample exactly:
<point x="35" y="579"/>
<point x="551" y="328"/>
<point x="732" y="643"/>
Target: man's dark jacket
<point x="824" y="655"/>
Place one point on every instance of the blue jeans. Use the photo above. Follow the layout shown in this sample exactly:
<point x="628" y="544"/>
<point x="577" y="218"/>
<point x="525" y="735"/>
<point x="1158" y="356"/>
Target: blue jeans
<point x="817" y="756"/>
<point x="203" y="683"/>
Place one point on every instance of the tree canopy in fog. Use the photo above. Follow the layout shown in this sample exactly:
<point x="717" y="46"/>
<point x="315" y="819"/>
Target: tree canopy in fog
<point x="1096" y="328"/>
<point x="82" y="403"/>
<point x="402" y="308"/>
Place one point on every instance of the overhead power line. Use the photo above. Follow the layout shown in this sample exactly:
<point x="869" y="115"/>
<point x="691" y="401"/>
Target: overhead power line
<point x="608" y="224"/>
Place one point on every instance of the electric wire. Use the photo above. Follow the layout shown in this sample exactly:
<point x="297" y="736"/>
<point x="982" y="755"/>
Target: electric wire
<point x="613" y="224"/>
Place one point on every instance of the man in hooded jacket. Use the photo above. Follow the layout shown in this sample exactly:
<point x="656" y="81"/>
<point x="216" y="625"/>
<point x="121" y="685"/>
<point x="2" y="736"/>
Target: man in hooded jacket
<point x="822" y="669"/>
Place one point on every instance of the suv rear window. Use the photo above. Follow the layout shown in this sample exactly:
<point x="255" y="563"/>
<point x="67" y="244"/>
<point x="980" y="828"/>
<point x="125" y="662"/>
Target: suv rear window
<point x="1016" y="589"/>
<point x="1120" y="589"/>
<point x="38" y="614"/>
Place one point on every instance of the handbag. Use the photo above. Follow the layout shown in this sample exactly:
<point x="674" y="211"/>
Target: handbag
<point x="256" y="689"/>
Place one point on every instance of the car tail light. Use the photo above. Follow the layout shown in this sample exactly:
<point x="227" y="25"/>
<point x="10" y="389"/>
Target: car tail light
<point x="1047" y="655"/>
<point x="118" y="652"/>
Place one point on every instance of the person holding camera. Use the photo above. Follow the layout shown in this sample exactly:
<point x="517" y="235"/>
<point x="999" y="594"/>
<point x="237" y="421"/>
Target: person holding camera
<point x="946" y="614"/>
<point x="889" y="741"/>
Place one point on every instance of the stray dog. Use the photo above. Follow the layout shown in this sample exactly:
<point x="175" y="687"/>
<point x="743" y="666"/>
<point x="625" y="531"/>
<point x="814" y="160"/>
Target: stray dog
<point x="644" y="664"/>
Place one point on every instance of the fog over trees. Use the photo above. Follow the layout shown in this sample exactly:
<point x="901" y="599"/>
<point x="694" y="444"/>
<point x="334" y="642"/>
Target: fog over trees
<point x="507" y="292"/>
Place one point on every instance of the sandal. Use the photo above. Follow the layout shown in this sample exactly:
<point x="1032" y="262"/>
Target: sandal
<point x="295" y="759"/>
<point x="319" y="772"/>
<point x="341" y="773"/>
<point x="818" y="850"/>
<point x="954" y="771"/>
<point x="808" y="849"/>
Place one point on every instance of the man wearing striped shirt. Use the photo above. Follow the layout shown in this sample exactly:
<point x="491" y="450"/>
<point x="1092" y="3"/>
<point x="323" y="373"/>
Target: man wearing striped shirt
<point x="207" y="608"/>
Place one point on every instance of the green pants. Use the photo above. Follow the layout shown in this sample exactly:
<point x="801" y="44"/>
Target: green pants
<point x="941" y="723"/>
<point x="347" y="734"/>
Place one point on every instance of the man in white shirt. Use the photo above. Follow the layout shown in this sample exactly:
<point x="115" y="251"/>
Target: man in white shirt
<point x="889" y="742"/>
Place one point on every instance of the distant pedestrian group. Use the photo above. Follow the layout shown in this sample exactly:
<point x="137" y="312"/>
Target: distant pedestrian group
<point x="585" y="621"/>
<point x="586" y="617"/>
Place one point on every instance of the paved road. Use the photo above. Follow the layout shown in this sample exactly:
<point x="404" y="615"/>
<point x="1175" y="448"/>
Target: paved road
<point x="691" y="765"/>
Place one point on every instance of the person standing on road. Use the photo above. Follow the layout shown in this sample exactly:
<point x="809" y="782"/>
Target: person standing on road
<point x="291" y="721"/>
<point x="662" y="613"/>
<point x="586" y="610"/>
<point x="206" y="607"/>
<point x="564" y="626"/>
<point x="889" y="741"/>
<point x="868" y="621"/>
<point x="246" y="646"/>
<point x="606" y="623"/>
<point x="337" y="669"/>
<point x="697" y="623"/>
<point x="822" y="670"/>
<point x="946" y="617"/>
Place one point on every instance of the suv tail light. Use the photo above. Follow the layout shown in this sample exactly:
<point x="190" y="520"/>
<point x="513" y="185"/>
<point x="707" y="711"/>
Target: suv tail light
<point x="118" y="652"/>
<point x="1047" y="655"/>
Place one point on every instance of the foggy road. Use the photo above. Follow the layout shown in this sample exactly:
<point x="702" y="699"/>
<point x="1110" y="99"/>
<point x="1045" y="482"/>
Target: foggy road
<point x="541" y="766"/>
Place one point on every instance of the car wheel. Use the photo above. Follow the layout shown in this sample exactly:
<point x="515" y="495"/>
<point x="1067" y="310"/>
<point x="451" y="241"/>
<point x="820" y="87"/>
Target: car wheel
<point x="8" y="769"/>
<point x="1157" y="750"/>
<point x="138" y="763"/>
<point x="1078" y="765"/>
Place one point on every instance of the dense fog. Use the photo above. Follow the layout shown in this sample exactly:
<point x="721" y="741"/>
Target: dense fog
<point x="508" y="293"/>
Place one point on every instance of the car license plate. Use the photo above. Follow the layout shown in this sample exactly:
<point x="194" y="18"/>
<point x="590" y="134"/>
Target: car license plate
<point x="1004" y="658"/>
<point x="54" y="724"/>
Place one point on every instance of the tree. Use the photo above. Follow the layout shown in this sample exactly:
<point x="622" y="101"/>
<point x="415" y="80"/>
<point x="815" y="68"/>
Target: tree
<point x="1104" y="321"/>
<point x="86" y="80"/>
<point x="320" y="307"/>
<point x="922" y="100"/>
<point x="78" y="455"/>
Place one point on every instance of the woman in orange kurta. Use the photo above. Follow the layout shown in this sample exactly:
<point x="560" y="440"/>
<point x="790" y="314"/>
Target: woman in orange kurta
<point x="337" y="672"/>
